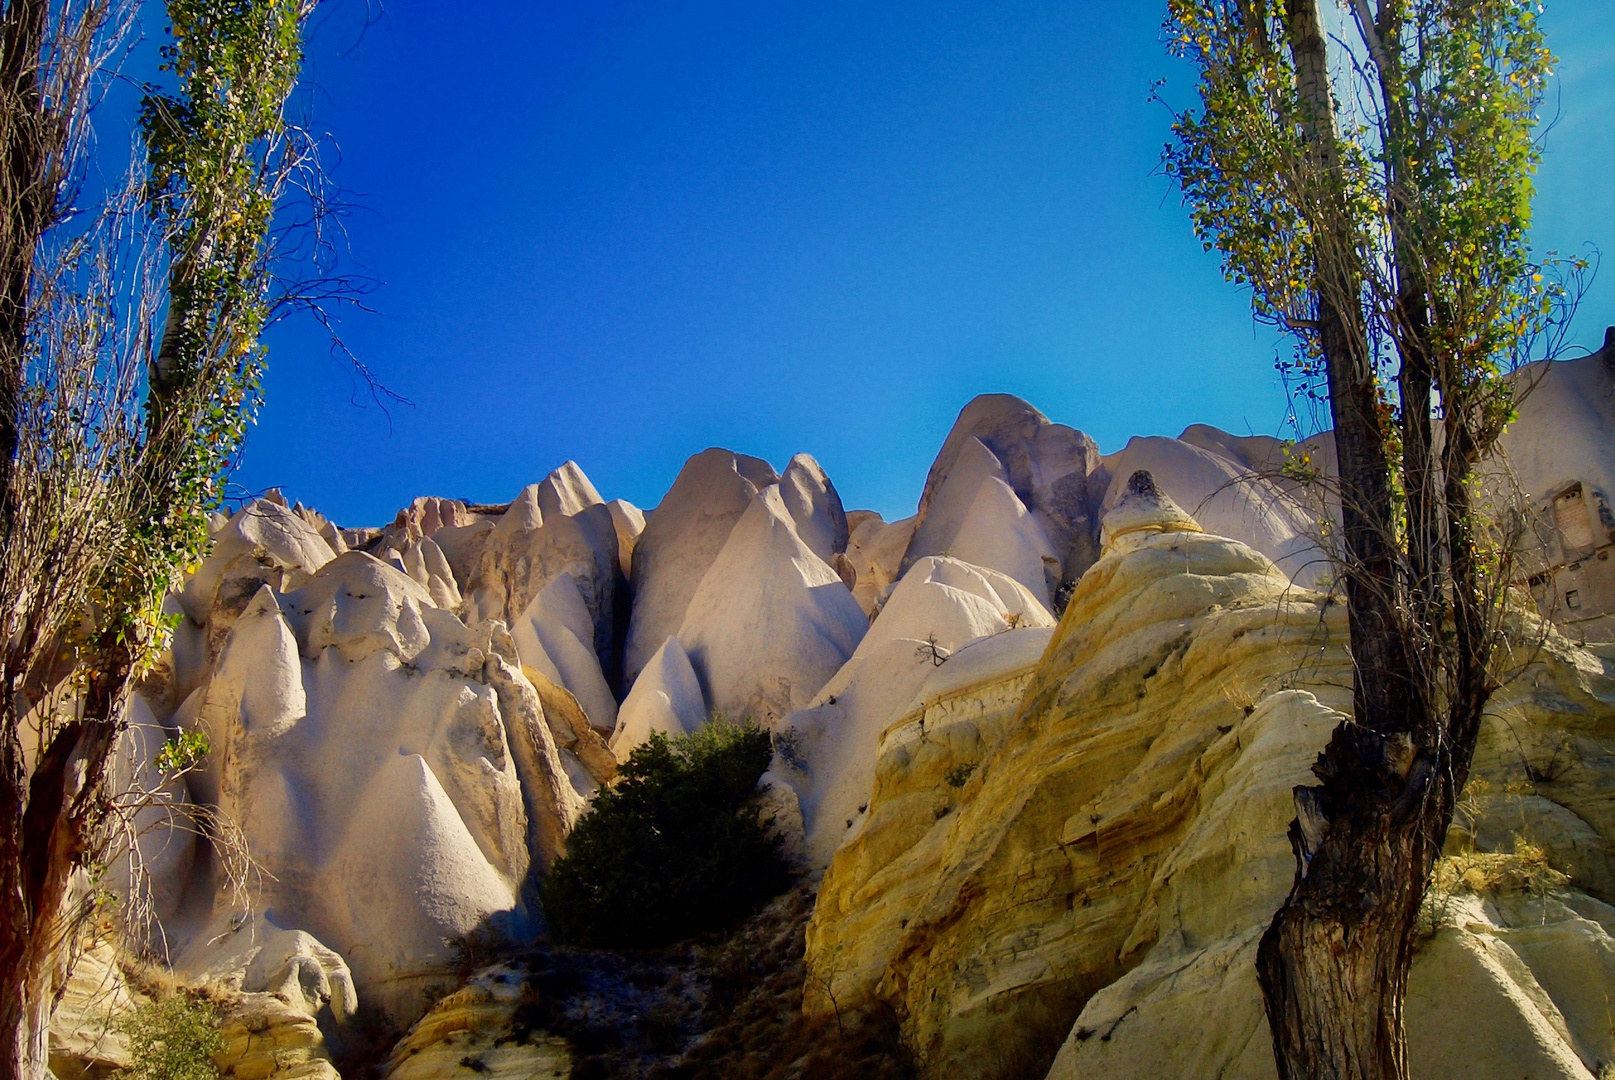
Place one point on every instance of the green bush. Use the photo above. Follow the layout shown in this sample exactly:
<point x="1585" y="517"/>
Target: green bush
<point x="678" y="846"/>
<point x="173" y="1039"/>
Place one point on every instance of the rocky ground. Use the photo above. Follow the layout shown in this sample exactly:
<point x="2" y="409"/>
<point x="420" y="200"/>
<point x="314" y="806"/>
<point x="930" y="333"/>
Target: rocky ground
<point x="727" y="1006"/>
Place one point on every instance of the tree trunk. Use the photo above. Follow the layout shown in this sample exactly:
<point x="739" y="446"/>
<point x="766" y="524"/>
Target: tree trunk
<point x="1334" y="963"/>
<point x="48" y="824"/>
<point x="32" y="923"/>
<point x="25" y="205"/>
<point x="26" y="997"/>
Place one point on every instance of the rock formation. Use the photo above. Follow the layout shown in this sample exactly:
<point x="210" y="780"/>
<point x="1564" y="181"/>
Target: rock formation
<point x="682" y="537"/>
<point x="1117" y="843"/>
<point x="1039" y="738"/>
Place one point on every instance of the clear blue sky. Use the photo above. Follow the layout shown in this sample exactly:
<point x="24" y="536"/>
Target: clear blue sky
<point x="624" y="232"/>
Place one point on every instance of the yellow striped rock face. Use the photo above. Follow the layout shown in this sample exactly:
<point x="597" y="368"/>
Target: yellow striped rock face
<point x="1090" y="894"/>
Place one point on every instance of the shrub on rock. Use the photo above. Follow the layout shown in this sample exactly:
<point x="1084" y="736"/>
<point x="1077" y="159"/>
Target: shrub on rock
<point x="679" y="845"/>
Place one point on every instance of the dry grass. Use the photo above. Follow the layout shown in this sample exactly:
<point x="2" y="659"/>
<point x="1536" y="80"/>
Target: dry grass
<point x="1523" y="870"/>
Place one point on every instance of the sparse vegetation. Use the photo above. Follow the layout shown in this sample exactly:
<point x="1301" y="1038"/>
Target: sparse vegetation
<point x="1476" y="873"/>
<point x="173" y="1038"/>
<point x="677" y="847"/>
<point x="931" y="650"/>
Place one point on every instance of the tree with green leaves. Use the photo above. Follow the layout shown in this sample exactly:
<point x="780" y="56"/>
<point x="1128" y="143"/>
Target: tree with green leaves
<point x="1371" y="185"/>
<point x="678" y="845"/>
<point x="129" y="367"/>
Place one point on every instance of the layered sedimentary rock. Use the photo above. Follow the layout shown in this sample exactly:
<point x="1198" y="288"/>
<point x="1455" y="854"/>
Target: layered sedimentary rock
<point x="1045" y="844"/>
<point x="1116" y="841"/>
<point x="478" y="1029"/>
<point x="266" y="1036"/>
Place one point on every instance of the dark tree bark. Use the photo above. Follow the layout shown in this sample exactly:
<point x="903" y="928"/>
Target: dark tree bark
<point x="26" y="204"/>
<point x="48" y="820"/>
<point x="1334" y="963"/>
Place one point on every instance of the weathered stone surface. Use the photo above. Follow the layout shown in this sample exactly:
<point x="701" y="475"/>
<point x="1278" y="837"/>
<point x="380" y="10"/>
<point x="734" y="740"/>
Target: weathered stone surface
<point x="630" y="522"/>
<point x="478" y="1023"/>
<point x="1229" y="499"/>
<point x="153" y="858"/>
<point x="811" y="500"/>
<point x="1559" y="458"/>
<point x="1005" y="914"/>
<point x="666" y="698"/>
<point x="555" y="636"/>
<point x="954" y="603"/>
<point x="85" y="1039"/>
<point x="767" y="576"/>
<point x="1117" y="850"/>
<point x="266" y="1036"/>
<point x="682" y="537"/>
<point x="862" y="721"/>
<point x="1047" y="466"/>
<point x="252" y="955"/>
<point x="875" y="552"/>
<point x="390" y="767"/>
<point x="528" y="550"/>
<point x="269" y="1038"/>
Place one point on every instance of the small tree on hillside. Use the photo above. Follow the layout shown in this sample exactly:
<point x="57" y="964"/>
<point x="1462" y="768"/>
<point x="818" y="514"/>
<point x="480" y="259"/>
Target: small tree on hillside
<point x="677" y="846"/>
<point x="1373" y="190"/>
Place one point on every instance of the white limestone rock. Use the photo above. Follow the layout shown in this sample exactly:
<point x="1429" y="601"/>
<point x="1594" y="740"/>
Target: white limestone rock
<point x="462" y="547"/>
<point x="1047" y="465"/>
<point x="426" y="564"/>
<point x="666" y="698"/>
<point x="425" y="516"/>
<point x="832" y="746"/>
<point x="999" y="532"/>
<point x="389" y="768"/>
<point x="811" y="500"/>
<point x="262" y="543"/>
<point x="829" y="755"/>
<point x="630" y="522"/>
<point x="875" y="550"/>
<point x="771" y="621"/>
<point x="1566" y="413"/>
<point x="566" y="491"/>
<point x="246" y="952"/>
<point x="529" y="549"/>
<point x="972" y="465"/>
<point x="555" y="636"/>
<point x="153" y="856"/>
<point x="682" y="537"/>
<point x="1142" y="511"/>
<point x="953" y="603"/>
<point x="1227" y="499"/>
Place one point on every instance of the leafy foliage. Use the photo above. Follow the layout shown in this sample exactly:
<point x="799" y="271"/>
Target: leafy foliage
<point x="174" y="1038"/>
<point x="216" y="151"/>
<point x="181" y="753"/>
<point x="677" y="847"/>
<point x="1433" y="159"/>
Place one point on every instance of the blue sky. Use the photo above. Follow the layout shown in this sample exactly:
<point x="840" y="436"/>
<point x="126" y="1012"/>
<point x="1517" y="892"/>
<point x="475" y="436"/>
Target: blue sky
<point x="623" y="232"/>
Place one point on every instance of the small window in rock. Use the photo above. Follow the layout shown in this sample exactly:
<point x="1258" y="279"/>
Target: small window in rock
<point x="1573" y="599"/>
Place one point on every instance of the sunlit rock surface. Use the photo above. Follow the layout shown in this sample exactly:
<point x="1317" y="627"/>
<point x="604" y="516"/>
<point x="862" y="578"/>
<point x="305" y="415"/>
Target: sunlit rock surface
<point x="1116" y="843"/>
<point x="1038" y="737"/>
